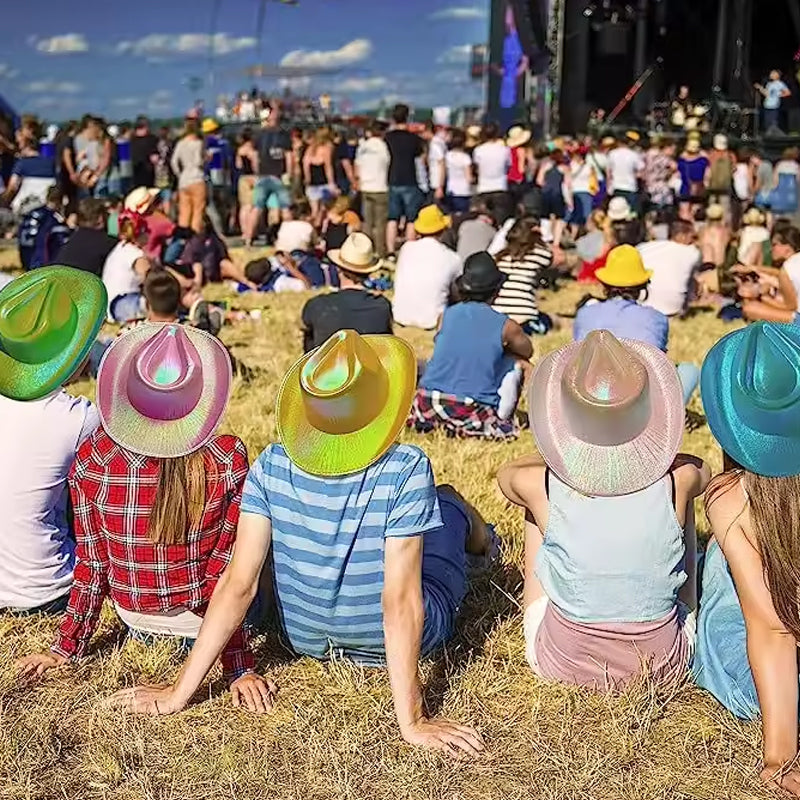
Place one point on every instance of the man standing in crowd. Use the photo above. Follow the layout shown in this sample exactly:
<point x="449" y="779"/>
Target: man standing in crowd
<point x="124" y="158"/>
<point x="144" y="154"/>
<point x="625" y="169"/>
<point x="437" y="153"/>
<point x="274" y="168"/>
<point x="774" y="93"/>
<point x="372" y="173"/>
<point x="405" y="197"/>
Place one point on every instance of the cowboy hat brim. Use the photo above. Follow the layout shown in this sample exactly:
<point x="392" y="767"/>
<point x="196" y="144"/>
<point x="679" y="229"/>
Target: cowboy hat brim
<point x="763" y="453"/>
<point x="131" y="429"/>
<point x="326" y="454"/>
<point x="518" y="141"/>
<point x="608" y="471"/>
<point x="140" y="208"/>
<point x="361" y="269"/>
<point x="22" y="381"/>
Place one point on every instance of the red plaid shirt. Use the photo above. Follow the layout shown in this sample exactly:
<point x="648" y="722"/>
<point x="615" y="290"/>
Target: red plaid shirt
<point x="112" y="493"/>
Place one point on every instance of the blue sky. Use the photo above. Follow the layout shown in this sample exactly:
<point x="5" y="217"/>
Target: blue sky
<point x="61" y="59"/>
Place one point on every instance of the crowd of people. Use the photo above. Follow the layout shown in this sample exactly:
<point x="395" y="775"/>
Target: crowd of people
<point x="135" y="499"/>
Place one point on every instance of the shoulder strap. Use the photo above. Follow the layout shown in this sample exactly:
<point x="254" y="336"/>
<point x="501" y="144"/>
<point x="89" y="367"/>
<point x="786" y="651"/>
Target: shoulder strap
<point x="547" y="482"/>
<point x="672" y="485"/>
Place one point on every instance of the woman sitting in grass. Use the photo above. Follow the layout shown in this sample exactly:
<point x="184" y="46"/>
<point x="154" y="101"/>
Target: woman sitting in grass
<point x="609" y="516"/>
<point x="156" y="497"/>
<point x="749" y="625"/>
<point x="472" y="383"/>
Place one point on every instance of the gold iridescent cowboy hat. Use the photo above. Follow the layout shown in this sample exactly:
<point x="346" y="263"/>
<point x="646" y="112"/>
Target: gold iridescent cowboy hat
<point x="49" y="319"/>
<point x="341" y="407"/>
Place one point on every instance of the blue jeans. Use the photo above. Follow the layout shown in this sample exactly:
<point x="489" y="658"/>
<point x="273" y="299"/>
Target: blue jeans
<point x="689" y="375"/>
<point x="582" y="209"/>
<point x="269" y="192"/>
<point x="405" y="201"/>
<point x="126" y="307"/>
<point x="772" y="118"/>
<point x="54" y="607"/>
<point x="458" y="205"/>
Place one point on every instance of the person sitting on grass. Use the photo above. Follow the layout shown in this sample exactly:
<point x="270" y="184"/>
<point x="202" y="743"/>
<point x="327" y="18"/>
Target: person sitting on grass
<point x="160" y="227"/>
<point x="353" y="307"/>
<point x="89" y="245"/>
<point x="609" y="517"/>
<point x="43" y="232"/>
<point x="472" y="383"/>
<point x="376" y="572"/>
<point x="156" y="497"/>
<point x="340" y="221"/>
<point x="296" y="233"/>
<point x="626" y="281"/>
<point x="749" y="625"/>
<point x="125" y="269"/>
<point x="42" y="427"/>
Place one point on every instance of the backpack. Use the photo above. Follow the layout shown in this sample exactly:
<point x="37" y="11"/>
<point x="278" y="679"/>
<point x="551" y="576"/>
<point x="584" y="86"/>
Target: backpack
<point x="721" y="175"/>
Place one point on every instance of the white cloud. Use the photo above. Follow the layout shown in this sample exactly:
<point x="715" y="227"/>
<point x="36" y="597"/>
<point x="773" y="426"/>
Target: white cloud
<point x="47" y="87"/>
<point x="127" y="102"/>
<point x="356" y="85"/>
<point x="157" y="46"/>
<point x="351" y="53"/>
<point x="162" y="96"/>
<point x="458" y="13"/>
<point x="8" y="72"/>
<point x="59" y="45"/>
<point x="296" y="85"/>
<point x="460" y="54"/>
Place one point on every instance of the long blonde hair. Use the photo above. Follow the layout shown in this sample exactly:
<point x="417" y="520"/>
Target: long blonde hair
<point x="180" y="498"/>
<point x="774" y="511"/>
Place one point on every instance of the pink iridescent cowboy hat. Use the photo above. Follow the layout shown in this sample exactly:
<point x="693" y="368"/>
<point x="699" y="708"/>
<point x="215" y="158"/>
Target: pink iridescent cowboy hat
<point x="607" y="414"/>
<point x="162" y="389"/>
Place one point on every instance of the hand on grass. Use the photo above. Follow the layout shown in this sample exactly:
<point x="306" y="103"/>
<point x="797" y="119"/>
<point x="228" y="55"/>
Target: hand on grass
<point x="254" y="693"/>
<point x="787" y="780"/>
<point x="458" y="741"/>
<point x="153" y="700"/>
<point x="39" y="663"/>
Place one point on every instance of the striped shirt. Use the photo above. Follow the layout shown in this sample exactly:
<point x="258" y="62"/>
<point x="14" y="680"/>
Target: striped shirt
<point x="328" y="545"/>
<point x="517" y="296"/>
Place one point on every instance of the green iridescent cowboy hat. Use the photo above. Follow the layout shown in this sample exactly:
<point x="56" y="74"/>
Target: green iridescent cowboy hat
<point x="49" y="319"/>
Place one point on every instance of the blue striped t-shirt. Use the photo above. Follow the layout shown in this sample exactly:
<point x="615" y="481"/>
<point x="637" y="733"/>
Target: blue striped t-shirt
<point x="328" y="545"/>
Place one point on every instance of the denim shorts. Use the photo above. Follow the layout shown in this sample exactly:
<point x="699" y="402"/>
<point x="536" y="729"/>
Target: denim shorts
<point x="318" y="194"/>
<point x="405" y="201"/>
<point x="269" y="192"/>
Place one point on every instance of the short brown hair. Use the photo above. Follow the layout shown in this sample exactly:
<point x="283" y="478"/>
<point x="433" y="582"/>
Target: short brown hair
<point x="162" y="292"/>
<point x="92" y="213"/>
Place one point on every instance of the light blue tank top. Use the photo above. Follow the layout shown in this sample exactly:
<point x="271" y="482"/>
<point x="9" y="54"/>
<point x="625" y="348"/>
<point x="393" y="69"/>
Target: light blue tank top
<point x="612" y="559"/>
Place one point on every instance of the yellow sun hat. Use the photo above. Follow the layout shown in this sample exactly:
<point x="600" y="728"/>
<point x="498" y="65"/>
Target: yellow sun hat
<point x="341" y="407"/>
<point x="210" y="125"/>
<point x="624" y="268"/>
<point x="431" y="221"/>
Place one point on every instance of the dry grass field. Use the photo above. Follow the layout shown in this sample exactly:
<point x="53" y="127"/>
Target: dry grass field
<point x="333" y="733"/>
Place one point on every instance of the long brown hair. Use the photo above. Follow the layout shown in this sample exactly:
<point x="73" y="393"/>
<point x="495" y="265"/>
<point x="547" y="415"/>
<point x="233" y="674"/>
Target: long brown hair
<point x="774" y="511"/>
<point x="523" y="238"/>
<point x="180" y="498"/>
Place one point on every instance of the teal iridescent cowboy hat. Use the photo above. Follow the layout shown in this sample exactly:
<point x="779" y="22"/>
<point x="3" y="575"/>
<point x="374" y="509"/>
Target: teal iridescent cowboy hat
<point x="751" y="395"/>
<point x="49" y="319"/>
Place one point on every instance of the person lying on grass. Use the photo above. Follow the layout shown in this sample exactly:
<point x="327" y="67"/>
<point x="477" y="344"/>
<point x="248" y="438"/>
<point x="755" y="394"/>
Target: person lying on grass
<point x="369" y="555"/>
<point x="156" y="497"/>
<point x="609" y="517"/>
<point x="749" y="625"/>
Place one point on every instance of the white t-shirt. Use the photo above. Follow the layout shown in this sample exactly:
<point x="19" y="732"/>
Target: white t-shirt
<point x="294" y="234"/>
<point x="672" y="265"/>
<point x="119" y="276"/>
<point x="425" y="270"/>
<point x="500" y="241"/>
<point x="787" y="167"/>
<point x="437" y="151"/>
<point x="623" y="164"/>
<point x="458" y="165"/>
<point x="741" y="181"/>
<point x="38" y="555"/>
<point x="372" y="165"/>
<point x="750" y="235"/>
<point x="581" y="176"/>
<point x="493" y="160"/>
<point x="792" y="269"/>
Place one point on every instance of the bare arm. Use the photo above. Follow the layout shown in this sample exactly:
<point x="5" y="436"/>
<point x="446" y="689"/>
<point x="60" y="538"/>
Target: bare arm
<point x="307" y="167"/>
<point x="516" y="342"/>
<point x="329" y="166"/>
<point x="787" y="290"/>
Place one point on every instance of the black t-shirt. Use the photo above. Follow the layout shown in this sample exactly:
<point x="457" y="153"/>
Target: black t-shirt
<point x="86" y="249"/>
<point x="349" y="309"/>
<point x="272" y="146"/>
<point x="404" y="148"/>
<point x="142" y="148"/>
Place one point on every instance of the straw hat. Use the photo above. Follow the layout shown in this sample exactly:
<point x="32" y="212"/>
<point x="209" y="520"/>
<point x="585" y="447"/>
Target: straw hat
<point x="619" y="210"/>
<point x="624" y="268"/>
<point x="209" y="126"/>
<point x="720" y="141"/>
<point x="751" y="395"/>
<point x="517" y="136"/>
<point x="357" y="254"/>
<point x="341" y="407"/>
<point x="607" y="414"/>
<point x="754" y="216"/>
<point x="431" y="221"/>
<point x="715" y="212"/>
<point x="162" y="389"/>
<point x="140" y="199"/>
<point x="49" y="319"/>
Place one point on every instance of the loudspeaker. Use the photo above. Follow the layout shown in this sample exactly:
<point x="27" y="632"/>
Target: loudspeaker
<point x="612" y="38"/>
